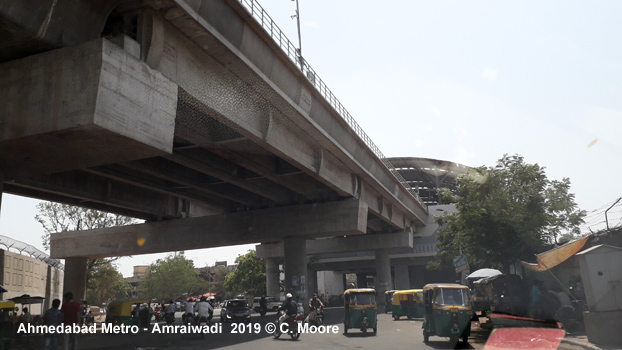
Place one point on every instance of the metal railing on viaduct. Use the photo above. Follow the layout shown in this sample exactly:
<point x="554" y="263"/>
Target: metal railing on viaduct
<point x="258" y="12"/>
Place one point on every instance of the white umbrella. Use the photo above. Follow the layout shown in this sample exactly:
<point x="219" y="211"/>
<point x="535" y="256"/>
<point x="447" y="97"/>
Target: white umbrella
<point x="483" y="273"/>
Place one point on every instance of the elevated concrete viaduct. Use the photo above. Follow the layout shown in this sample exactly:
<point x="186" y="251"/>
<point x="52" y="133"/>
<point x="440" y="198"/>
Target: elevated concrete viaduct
<point x="189" y="115"/>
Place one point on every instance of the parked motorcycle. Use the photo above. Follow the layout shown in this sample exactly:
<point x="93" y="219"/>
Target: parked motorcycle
<point x="289" y="326"/>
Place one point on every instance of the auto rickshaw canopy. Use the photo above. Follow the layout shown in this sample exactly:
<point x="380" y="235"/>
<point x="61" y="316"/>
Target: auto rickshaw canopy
<point x="415" y="295"/>
<point x="449" y="294"/>
<point x="360" y="297"/>
<point x="7" y="304"/>
<point x="123" y="307"/>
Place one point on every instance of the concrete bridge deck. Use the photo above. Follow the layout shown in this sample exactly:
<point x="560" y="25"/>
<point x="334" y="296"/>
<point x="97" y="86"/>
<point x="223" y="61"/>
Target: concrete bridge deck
<point x="187" y="114"/>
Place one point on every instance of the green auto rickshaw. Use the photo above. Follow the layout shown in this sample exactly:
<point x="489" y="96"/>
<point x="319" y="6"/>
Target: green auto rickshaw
<point x="124" y="312"/>
<point x="407" y="303"/>
<point x="447" y="311"/>
<point x="388" y="300"/>
<point x="360" y="310"/>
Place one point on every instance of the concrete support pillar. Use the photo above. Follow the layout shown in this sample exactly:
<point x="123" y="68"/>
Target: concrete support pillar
<point x="361" y="280"/>
<point x="402" y="279"/>
<point x="1" y="190"/>
<point x="75" y="277"/>
<point x="296" y="266"/>
<point x="383" y="274"/>
<point x="312" y="285"/>
<point x="272" y="277"/>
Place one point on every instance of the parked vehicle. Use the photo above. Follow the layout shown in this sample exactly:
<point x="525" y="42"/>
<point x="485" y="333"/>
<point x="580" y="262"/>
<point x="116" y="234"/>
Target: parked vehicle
<point x="360" y="309"/>
<point x="235" y="310"/>
<point x="271" y="303"/>
<point x="407" y="303"/>
<point x="447" y="312"/>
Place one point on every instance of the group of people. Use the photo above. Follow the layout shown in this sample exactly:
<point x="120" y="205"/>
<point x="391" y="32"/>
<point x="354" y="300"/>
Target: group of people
<point x="545" y="302"/>
<point x="68" y="314"/>
<point x="203" y="309"/>
<point x="291" y="308"/>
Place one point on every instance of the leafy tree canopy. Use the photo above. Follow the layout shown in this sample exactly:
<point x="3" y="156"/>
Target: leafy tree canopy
<point x="249" y="277"/>
<point x="106" y="284"/>
<point x="506" y="212"/>
<point x="57" y="217"/>
<point x="172" y="278"/>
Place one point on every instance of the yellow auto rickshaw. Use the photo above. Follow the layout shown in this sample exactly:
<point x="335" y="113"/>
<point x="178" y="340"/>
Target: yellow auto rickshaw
<point x="360" y="309"/>
<point x="128" y="312"/>
<point x="407" y="303"/>
<point x="447" y="311"/>
<point x="388" y="300"/>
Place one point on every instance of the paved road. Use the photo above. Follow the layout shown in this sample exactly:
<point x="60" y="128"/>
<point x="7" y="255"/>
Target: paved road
<point x="392" y="335"/>
<point x="402" y="334"/>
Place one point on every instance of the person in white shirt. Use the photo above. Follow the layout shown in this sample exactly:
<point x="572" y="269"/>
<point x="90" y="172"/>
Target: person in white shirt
<point x="204" y="309"/>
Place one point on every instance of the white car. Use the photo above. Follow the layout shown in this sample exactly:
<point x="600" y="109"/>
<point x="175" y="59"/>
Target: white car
<point x="271" y="303"/>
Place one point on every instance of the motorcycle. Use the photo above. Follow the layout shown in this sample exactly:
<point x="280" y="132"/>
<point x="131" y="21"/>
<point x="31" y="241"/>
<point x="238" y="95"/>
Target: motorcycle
<point x="289" y="326"/>
<point x="316" y="317"/>
<point x="170" y="318"/>
<point x="187" y="318"/>
<point x="203" y="321"/>
<point x="262" y="311"/>
<point x="158" y="316"/>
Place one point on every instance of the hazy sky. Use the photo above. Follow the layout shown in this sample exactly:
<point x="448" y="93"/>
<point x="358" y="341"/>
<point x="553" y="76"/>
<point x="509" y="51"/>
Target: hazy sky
<point x="459" y="81"/>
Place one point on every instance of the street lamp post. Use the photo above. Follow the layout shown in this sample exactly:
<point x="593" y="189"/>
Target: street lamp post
<point x="299" y="40"/>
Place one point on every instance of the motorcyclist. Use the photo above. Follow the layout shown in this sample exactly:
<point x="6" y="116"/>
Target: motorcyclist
<point x="204" y="309"/>
<point x="314" y="304"/>
<point x="289" y="306"/>
<point x="263" y="305"/>
<point x="189" y="311"/>
<point x="169" y="311"/>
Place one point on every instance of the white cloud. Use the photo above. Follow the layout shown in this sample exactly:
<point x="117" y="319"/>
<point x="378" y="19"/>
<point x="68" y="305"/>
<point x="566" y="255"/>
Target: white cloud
<point x="489" y="74"/>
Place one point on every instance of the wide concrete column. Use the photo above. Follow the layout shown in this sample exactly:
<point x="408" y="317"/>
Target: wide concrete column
<point x="361" y="280"/>
<point x="383" y="274"/>
<point x="312" y="284"/>
<point x="296" y="266"/>
<point x="402" y="279"/>
<point x="75" y="277"/>
<point x="272" y="277"/>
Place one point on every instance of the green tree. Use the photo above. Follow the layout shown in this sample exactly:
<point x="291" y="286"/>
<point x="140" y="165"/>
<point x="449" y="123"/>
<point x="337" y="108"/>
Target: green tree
<point x="57" y="217"/>
<point x="171" y="278"/>
<point x="249" y="277"/>
<point x="507" y="212"/>
<point x="106" y="284"/>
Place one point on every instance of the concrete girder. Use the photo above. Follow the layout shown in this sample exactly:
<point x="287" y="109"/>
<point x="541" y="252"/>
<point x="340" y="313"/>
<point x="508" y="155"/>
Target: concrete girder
<point x="342" y="244"/>
<point x="209" y="164"/>
<point x="86" y="187"/>
<point x="314" y="220"/>
<point x="170" y="171"/>
<point x="245" y="49"/>
<point x="138" y="179"/>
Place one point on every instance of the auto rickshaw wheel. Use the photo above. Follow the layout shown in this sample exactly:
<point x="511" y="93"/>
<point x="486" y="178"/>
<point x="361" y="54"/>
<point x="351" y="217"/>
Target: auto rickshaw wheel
<point x="465" y="339"/>
<point x="345" y="329"/>
<point x="396" y="317"/>
<point x="375" y="329"/>
<point x="426" y="336"/>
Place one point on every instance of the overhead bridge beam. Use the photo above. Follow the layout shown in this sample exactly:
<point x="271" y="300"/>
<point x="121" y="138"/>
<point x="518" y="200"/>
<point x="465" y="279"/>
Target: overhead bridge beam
<point x="346" y="217"/>
<point x="402" y="239"/>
